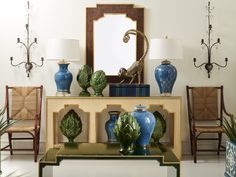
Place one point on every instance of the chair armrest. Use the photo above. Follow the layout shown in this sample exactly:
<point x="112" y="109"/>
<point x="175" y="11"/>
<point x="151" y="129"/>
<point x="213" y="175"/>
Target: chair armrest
<point x="228" y="114"/>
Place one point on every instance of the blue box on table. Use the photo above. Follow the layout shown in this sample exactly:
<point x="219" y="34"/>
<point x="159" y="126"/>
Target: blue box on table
<point x="129" y="90"/>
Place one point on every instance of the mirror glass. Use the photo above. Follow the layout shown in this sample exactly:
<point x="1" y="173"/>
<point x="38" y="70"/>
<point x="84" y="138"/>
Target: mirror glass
<point x="110" y="52"/>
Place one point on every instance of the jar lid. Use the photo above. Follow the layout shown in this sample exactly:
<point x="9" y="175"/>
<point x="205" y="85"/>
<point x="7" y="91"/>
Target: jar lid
<point x="114" y="112"/>
<point x="140" y="108"/>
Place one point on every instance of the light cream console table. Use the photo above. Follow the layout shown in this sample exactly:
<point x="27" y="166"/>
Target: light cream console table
<point x="93" y="106"/>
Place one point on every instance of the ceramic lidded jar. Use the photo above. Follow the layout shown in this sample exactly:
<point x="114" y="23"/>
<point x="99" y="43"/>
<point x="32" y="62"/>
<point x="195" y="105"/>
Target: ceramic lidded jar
<point x="146" y="121"/>
<point x="110" y="124"/>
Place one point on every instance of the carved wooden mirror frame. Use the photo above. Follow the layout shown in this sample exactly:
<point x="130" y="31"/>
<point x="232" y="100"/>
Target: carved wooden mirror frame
<point x="92" y="14"/>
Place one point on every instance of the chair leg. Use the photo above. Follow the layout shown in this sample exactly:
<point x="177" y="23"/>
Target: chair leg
<point x="10" y="142"/>
<point x="38" y="143"/>
<point x="191" y="143"/>
<point x="219" y="144"/>
<point x="195" y="149"/>
<point x="35" y="148"/>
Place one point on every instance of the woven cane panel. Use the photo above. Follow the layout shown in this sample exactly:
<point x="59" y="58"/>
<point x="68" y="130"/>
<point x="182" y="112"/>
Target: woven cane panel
<point x="24" y="102"/>
<point x="205" y="103"/>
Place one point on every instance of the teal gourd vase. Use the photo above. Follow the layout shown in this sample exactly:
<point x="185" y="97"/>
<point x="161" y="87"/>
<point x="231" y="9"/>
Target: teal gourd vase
<point x="127" y="131"/>
<point x="98" y="82"/>
<point x="83" y="79"/>
<point x="71" y="125"/>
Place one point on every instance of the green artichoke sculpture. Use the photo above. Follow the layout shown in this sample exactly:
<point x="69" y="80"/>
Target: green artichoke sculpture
<point x="71" y="125"/>
<point x="127" y="131"/>
<point x="83" y="78"/>
<point x="160" y="127"/>
<point x="98" y="82"/>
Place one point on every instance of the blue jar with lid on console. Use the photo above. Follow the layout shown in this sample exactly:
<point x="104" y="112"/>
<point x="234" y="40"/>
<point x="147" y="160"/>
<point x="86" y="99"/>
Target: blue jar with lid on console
<point x="146" y="122"/>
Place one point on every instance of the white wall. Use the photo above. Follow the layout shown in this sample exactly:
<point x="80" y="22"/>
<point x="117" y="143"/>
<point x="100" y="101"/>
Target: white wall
<point x="183" y="19"/>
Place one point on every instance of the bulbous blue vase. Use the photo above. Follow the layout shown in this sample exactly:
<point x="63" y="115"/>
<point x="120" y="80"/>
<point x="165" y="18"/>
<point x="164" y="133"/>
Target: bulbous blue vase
<point x="110" y="124"/>
<point x="165" y="75"/>
<point x="63" y="78"/>
<point x="146" y="122"/>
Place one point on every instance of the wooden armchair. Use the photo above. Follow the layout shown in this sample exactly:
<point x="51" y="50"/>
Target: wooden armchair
<point x="205" y="112"/>
<point x="24" y="105"/>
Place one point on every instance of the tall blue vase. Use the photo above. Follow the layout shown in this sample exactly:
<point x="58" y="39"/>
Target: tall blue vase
<point x="146" y="122"/>
<point x="63" y="78"/>
<point x="165" y="75"/>
<point x="110" y="124"/>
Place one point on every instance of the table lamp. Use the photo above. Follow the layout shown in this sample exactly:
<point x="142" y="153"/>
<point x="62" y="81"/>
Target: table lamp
<point x="64" y="51"/>
<point x="165" y="73"/>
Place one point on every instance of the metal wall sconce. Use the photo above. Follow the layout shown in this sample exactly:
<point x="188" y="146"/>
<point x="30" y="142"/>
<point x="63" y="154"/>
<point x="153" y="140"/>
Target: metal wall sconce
<point x="209" y="64"/>
<point x="28" y="63"/>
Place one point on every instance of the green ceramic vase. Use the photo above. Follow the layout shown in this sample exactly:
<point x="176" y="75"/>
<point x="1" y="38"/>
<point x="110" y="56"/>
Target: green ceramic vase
<point x="160" y="127"/>
<point x="83" y="78"/>
<point x="127" y="131"/>
<point x="98" y="82"/>
<point x="71" y="125"/>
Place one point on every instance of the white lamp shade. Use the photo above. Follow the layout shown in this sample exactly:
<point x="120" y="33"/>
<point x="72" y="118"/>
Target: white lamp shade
<point x="63" y="49"/>
<point x="165" y="49"/>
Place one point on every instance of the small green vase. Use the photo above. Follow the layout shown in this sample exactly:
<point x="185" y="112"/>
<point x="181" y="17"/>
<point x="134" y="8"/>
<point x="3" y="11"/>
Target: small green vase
<point x="159" y="129"/>
<point x="83" y="78"/>
<point x="98" y="82"/>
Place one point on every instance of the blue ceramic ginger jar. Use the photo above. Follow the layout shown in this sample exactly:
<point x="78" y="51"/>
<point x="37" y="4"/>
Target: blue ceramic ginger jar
<point x="63" y="78"/>
<point x="110" y="124"/>
<point x="146" y="121"/>
<point x="165" y="75"/>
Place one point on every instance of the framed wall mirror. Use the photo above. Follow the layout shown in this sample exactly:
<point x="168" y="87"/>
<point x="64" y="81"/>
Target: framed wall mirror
<point x="106" y="25"/>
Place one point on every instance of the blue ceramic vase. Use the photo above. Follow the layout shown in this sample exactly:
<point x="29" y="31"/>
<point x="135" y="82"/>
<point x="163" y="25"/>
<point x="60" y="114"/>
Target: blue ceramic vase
<point x="146" y="121"/>
<point x="110" y="124"/>
<point x="165" y="75"/>
<point x="63" y="78"/>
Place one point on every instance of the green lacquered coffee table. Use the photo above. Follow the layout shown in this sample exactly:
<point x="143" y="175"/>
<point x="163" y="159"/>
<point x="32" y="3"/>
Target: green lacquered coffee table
<point x="106" y="151"/>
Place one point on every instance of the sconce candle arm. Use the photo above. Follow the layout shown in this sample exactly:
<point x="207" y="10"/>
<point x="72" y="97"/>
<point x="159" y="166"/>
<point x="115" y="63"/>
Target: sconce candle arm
<point x="198" y="66"/>
<point x="42" y="60"/>
<point x="11" y="59"/>
<point x="221" y="66"/>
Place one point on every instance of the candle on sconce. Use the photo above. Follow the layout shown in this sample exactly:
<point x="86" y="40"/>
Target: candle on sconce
<point x="202" y="41"/>
<point x="18" y="40"/>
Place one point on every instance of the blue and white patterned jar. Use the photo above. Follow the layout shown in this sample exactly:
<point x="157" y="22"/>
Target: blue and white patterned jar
<point x="146" y="122"/>
<point x="110" y="124"/>
<point x="165" y="75"/>
<point x="230" y="161"/>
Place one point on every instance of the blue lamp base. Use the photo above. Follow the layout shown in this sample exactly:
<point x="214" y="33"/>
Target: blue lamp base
<point x="165" y="75"/>
<point x="63" y="79"/>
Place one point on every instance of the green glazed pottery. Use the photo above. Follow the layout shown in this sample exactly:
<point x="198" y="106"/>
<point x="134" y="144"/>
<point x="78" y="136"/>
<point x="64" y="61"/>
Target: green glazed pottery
<point x="127" y="131"/>
<point x="71" y="125"/>
<point x="83" y="78"/>
<point x="160" y="127"/>
<point x="98" y="82"/>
